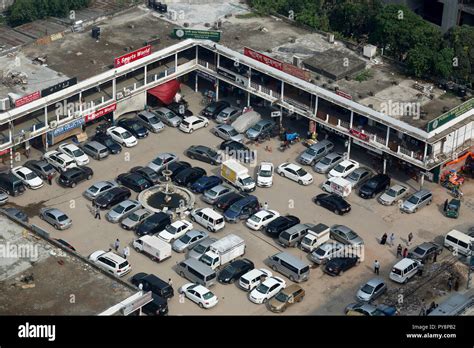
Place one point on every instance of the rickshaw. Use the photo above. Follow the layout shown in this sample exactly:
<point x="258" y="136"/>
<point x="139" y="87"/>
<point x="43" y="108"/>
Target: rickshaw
<point x="452" y="209"/>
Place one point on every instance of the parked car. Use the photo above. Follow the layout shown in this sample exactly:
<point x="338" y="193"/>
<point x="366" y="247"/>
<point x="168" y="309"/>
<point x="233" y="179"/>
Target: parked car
<point x="168" y="117"/>
<point x="242" y="209"/>
<point x="73" y="176"/>
<point x="96" y="150"/>
<point x="150" y="121"/>
<point x="55" y="218"/>
<point x="425" y="251"/>
<point x="75" y="153"/>
<point x="199" y="294"/>
<point x="59" y="161"/>
<point x="265" y="174"/>
<point x="151" y="282"/>
<point x="292" y="236"/>
<point x="189" y="176"/>
<point x="99" y="187"/>
<point x="204" y="154"/>
<point x="134" y="126"/>
<point x="134" y="219"/>
<point x="148" y="173"/>
<point x="261" y="219"/>
<point x="417" y="201"/>
<point x="211" y="195"/>
<point x="42" y="168"/>
<point x="371" y="290"/>
<point x="295" y="173"/>
<point x="176" y="167"/>
<point x="189" y="240"/>
<point x="106" y="140"/>
<point x="208" y="218"/>
<point x="234" y="270"/>
<point x="393" y="194"/>
<point x="133" y="181"/>
<point x="237" y="150"/>
<point x="315" y="152"/>
<point x="3" y="198"/>
<point x="205" y="183"/>
<point x="111" y="262"/>
<point x="175" y="230"/>
<point x="359" y="176"/>
<point x="266" y="290"/>
<point x="122" y="210"/>
<point x="122" y="136"/>
<point x="112" y="197"/>
<point x="28" y="177"/>
<point x="157" y="307"/>
<point x="192" y="123"/>
<point x="214" y="108"/>
<point x="227" y="132"/>
<point x="17" y="214"/>
<point x="345" y="235"/>
<point x="366" y="309"/>
<point x="201" y="248"/>
<point x="344" y="168"/>
<point x="280" y="224"/>
<point x="162" y="160"/>
<point x="333" y="202"/>
<point x="328" y="162"/>
<point x="11" y="184"/>
<point x="253" y="278"/>
<point x="261" y="129"/>
<point x="326" y="252"/>
<point x="180" y="108"/>
<point x="155" y="223"/>
<point x="286" y="297"/>
<point x="339" y="265"/>
<point x="374" y="186"/>
<point x="228" y="115"/>
<point x="225" y="201"/>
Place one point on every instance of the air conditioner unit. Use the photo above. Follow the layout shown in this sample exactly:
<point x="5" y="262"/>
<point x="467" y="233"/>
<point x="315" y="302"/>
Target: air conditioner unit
<point x="5" y="104"/>
<point x="53" y="124"/>
<point x="298" y="61"/>
<point x="127" y="92"/>
<point x="119" y="95"/>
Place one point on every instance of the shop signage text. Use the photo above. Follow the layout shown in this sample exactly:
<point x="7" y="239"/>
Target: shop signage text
<point x="132" y="56"/>
<point x="58" y="87"/>
<point x="27" y="99"/>
<point x="101" y="112"/>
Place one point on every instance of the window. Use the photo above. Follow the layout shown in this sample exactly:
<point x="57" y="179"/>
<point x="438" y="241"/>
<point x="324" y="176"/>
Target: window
<point x="463" y="245"/>
<point x="195" y="273"/>
<point x="452" y="239"/>
<point x="289" y="267"/>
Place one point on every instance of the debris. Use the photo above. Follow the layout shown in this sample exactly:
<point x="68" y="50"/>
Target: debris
<point x="28" y="286"/>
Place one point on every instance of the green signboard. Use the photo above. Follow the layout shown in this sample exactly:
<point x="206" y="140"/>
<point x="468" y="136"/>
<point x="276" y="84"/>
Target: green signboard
<point x="450" y="115"/>
<point x="197" y="34"/>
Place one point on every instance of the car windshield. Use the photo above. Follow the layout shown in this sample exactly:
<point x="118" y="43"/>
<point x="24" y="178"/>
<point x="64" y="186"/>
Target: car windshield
<point x="354" y="176"/>
<point x="141" y="181"/>
<point x="134" y="217"/>
<point x="211" y="193"/>
<point x="126" y="134"/>
<point x="109" y="142"/>
<point x="371" y="184"/>
<point x="418" y="251"/>
<point x="153" y="120"/>
<point x="211" y="153"/>
<point x="301" y="172"/>
<point x="265" y="173"/>
<point x="256" y="128"/>
<point x="368" y="289"/>
<point x="325" y="160"/>
<point x="211" y="107"/>
<point x="351" y="235"/>
<point x="77" y="153"/>
<point x="169" y="115"/>
<point x="185" y="123"/>
<point x="170" y="229"/>
<point x="340" y="168"/>
<point x="392" y="193"/>
<point x="413" y="199"/>
<point x="93" y="189"/>
<point x="320" y="252"/>
<point x="158" y="161"/>
<point x="30" y="176"/>
<point x="233" y="132"/>
<point x="310" y="152"/>
<point x="247" y="181"/>
<point x="200" y="249"/>
<point x="281" y="297"/>
<point x="230" y="269"/>
<point x="262" y="288"/>
<point x="235" y="208"/>
<point x="208" y="295"/>
<point x="255" y="218"/>
<point x="119" y="209"/>
<point x="185" y="239"/>
<point x="62" y="218"/>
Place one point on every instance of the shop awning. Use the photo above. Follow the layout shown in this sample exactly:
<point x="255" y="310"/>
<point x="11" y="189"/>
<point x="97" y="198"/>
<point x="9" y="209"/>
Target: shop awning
<point x="166" y="92"/>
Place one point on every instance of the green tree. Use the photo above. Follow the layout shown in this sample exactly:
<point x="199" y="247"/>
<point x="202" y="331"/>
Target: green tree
<point x="461" y="41"/>
<point x="443" y="62"/>
<point x="22" y="11"/>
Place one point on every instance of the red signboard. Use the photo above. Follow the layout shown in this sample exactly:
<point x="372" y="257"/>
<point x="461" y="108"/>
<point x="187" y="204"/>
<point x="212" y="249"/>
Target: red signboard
<point x="27" y="99"/>
<point x="101" y="112"/>
<point x="132" y="56"/>
<point x="344" y="94"/>
<point x="285" y="67"/>
<point x="359" y="134"/>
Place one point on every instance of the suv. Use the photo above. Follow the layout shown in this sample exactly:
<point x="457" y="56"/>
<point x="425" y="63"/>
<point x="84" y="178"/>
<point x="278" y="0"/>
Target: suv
<point x="261" y="129"/>
<point x="315" y="152"/>
<point x="73" y="176"/>
<point x="153" y="224"/>
<point x="280" y="224"/>
<point x="12" y="185"/>
<point x="286" y="297"/>
<point x="416" y="201"/>
<point x="110" y="262"/>
<point x="133" y="181"/>
<point x="359" y="176"/>
<point x="234" y="270"/>
<point x="96" y="150"/>
<point x="374" y="185"/>
<point x="112" y="197"/>
<point x="152" y="283"/>
<point x="42" y="168"/>
<point x="242" y="209"/>
<point x="150" y="121"/>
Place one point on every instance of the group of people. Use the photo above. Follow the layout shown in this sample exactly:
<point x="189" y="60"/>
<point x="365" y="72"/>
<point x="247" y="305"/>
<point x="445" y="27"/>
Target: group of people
<point x="126" y="249"/>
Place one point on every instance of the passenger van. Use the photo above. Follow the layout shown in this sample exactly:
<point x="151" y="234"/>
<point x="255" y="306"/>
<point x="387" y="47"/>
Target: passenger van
<point x="416" y="201"/>
<point x="197" y="272"/>
<point x="290" y="266"/>
<point x="253" y="278"/>
<point x="242" y="209"/>
<point x="10" y="184"/>
<point x="404" y="270"/>
<point x="96" y="150"/>
<point x="208" y="218"/>
<point x="293" y="235"/>
<point x="463" y="243"/>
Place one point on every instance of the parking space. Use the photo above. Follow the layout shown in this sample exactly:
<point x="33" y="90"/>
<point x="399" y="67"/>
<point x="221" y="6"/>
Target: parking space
<point x="325" y="294"/>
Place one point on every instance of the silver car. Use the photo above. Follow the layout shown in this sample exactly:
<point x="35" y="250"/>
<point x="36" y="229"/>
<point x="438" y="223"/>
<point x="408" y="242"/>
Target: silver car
<point x="315" y="152"/>
<point x="134" y="219"/>
<point x="228" y="115"/>
<point x="345" y="235"/>
<point x="168" y="117"/>
<point x="3" y="198"/>
<point x="162" y="160"/>
<point x="212" y="195"/>
<point x="151" y="121"/>
<point x="328" y="162"/>
<point x="359" y="176"/>
<point x="371" y="290"/>
<point x="122" y="210"/>
<point x="56" y="218"/>
<point x="325" y="252"/>
<point x="200" y="249"/>
<point x="262" y="127"/>
<point x="416" y="201"/>
<point x="227" y="132"/>
<point x="190" y="239"/>
<point x="393" y="194"/>
<point x="99" y="187"/>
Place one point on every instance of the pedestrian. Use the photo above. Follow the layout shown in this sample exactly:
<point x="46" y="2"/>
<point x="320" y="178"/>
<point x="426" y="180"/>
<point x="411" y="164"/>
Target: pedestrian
<point x="420" y="269"/>
<point x="435" y="255"/>
<point x="97" y="212"/>
<point x="410" y="238"/>
<point x="391" y="239"/>
<point x="50" y="179"/>
<point x="456" y="284"/>
<point x="383" y="240"/>
<point x="423" y="308"/>
<point x="399" y="250"/>
<point x="265" y="206"/>
<point x="445" y="205"/>
<point x="126" y="252"/>
<point x="450" y="283"/>
<point x="405" y="252"/>
<point x="170" y="282"/>
<point x="116" y="244"/>
<point x="376" y="267"/>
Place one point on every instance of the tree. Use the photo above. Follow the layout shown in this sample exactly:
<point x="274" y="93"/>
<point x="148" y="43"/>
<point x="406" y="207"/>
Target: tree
<point x="443" y="63"/>
<point x="461" y="41"/>
<point x="22" y="11"/>
<point x="419" y="61"/>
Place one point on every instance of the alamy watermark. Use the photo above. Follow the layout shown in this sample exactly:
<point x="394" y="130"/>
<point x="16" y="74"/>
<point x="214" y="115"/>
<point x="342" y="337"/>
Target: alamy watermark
<point x="399" y="109"/>
<point x="19" y="251"/>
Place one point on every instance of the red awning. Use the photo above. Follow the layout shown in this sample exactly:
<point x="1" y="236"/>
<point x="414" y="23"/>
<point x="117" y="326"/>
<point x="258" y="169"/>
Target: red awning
<point x="166" y="92"/>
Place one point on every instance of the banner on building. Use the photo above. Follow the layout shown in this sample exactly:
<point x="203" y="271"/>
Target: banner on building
<point x="27" y="99"/>
<point x="101" y="112"/>
<point x="132" y="56"/>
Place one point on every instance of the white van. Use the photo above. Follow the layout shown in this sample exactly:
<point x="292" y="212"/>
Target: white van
<point x="156" y="248"/>
<point x="253" y="278"/>
<point x="404" y="270"/>
<point x="208" y="218"/>
<point x="462" y="242"/>
<point x="316" y="236"/>
<point x="337" y="185"/>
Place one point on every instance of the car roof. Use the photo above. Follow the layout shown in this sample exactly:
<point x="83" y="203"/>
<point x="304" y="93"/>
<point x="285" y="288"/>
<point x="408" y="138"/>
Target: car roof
<point x="421" y="193"/>
<point x="114" y="257"/>
<point x="397" y="187"/>
<point x="192" y="118"/>
<point x="271" y="281"/>
<point x="266" y="164"/>
<point x="375" y="281"/>
<point x="289" y="290"/>
<point x="360" y="170"/>
<point x="342" y="228"/>
<point x="100" y="184"/>
<point x="128" y="202"/>
<point x="210" y="212"/>
<point x="404" y="263"/>
<point x="54" y="211"/>
<point x="229" y="109"/>
<point x="206" y="242"/>
<point x="332" y="155"/>
<point x="225" y="126"/>
<point x="193" y="233"/>
<point x="95" y="144"/>
<point x="291" y="166"/>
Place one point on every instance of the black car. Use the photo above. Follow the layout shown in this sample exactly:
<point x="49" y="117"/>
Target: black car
<point x="17" y="213"/>
<point x="227" y="200"/>
<point x="374" y="185"/>
<point x="177" y="167"/>
<point x="235" y="270"/>
<point x="214" y="108"/>
<point x="11" y="185"/>
<point x="40" y="168"/>
<point x="108" y="142"/>
<point x="72" y="177"/>
<point x="333" y="202"/>
<point x="189" y="176"/>
<point x="237" y="150"/>
<point x="112" y="197"/>
<point x="339" y="265"/>
<point x="180" y="109"/>
<point x="281" y="223"/>
<point x="204" y="154"/>
<point x="133" y="181"/>
<point x="134" y="126"/>
<point x="153" y="224"/>
<point x="151" y="282"/>
<point x="147" y="173"/>
<point x="158" y="306"/>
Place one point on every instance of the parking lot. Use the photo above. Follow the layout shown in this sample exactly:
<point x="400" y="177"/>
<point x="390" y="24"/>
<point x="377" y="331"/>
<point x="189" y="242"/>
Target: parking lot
<point x="324" y="294"/>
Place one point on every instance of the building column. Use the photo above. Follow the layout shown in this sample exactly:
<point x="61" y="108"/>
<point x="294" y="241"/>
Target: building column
<point x="316" y="104"/>
<point x="384" y="165"/>
<point x="351" y="122"/>
<point x="217" y="89"/>
<point x="425" y="152"/>
<point x="450" y="15"/>
<point x="196" y="83"/>
<point x="388" y="137"/>
<point x="114" y="88"/>
<point x="282" y="90"/>
<point x="250" y="78"/>
<point x="175" y="62"/>
<point x="197" y="53"/>
<point x="349" y="148"/>
<point x="145" y="72"/>
<point x="248" y="99"/>
<point x="46" y="123"/>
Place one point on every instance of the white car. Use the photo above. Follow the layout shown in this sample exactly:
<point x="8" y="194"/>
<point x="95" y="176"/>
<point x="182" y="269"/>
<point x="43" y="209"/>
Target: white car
<point x="122" y="136"/>
<point x="59" y="161"/>
<point x="265" y="174"/>
<point x="175" y="230"/>
<point x="192" y="123"/>
<point x="295" y="173"/>
<point x="266" y="290"/>
<point x="28" y="177"/>
<point x="75" y="153"/>
<point x="261" y="219"/>
<point x="199" y="294"/>
<point x="111" y="262"/>
<point x="344" y="168"/>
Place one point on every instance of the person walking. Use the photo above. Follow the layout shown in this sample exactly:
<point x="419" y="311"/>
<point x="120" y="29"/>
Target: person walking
<point x="376" y="267"/>
<point x="450" y="283"/>
<point x="399" y="250"/>
<point x="265" y="206"/>
<point x="170" y="282"/>
<point x="410" y="238"/>
<point x="96" y="212"/>
<point x="383" y="240"/>
<point x="445" y="205"/>
<point x="50" y="179"/>
<point x="391" y="239"/>
<point x="117" y="244"/>
<point x="126" y="252"/>
<point x="405" y="252"/>
<point x="435" y="256"/>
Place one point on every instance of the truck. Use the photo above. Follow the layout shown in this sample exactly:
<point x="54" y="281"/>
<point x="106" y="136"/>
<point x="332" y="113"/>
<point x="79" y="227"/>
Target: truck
<point x="337" y="185"/>
<point x="316" y="236"/>
<point x="153" y="246"/>
<point x="237" y="175"/>
<point x="223" y="251"/>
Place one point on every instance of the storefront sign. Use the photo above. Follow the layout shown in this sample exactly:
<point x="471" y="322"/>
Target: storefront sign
<point x="206" y="76"/>
<point x="344" y="94"/>
<point x="58" y="87"/>
<point x="27" y="99"/>
<point x="450" y="115"/>
<point x="67" y="127"/>
<point x="359" y="134"/>
<point x="212" y="35"/>
<point x="101" y="112"/>
<point x="132" y="56"/>
<point x="233" y="76"/>
<point x="275" y="114"/>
